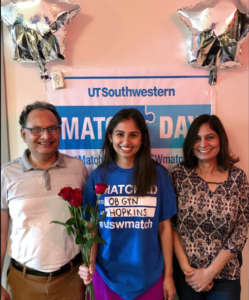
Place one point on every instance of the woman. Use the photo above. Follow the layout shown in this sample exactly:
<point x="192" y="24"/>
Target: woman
<point x="213" y="215"/>
<point x="137" y="263"/>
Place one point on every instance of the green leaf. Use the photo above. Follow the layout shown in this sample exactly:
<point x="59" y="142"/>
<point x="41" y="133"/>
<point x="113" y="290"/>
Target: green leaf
<point x="83" y="223"/>
<point x="90" y="229"/>
<point x="92" y="211"/>
<point x="84" y="240"/>
<point x="59" y="223"/>
<point x="87" y="232"/>
<point x="88" y="235"/>
<point x="71" y="221"/>
<point x="89" y="244"/>
<point x="81" y="229"/>
<point x="97" y="216"/>
<point x="70" y="209"/>
<point x="103" y="216"/>
<point x="92" y="220"/>
<point x="77" y="240"/>
<point x="69" y="230"/>
<point x="87" y="209"/>
<point x="99" y="239"/>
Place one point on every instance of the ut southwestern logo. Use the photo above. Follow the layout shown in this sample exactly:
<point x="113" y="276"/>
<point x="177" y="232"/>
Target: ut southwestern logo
<point x="83" y="127"/>
<point x="127" y="92"/>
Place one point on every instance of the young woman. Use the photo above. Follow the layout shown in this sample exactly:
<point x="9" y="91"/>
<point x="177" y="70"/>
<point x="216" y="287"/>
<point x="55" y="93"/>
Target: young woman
<point x="137" y="263"/>
<point x="213" y="215"/>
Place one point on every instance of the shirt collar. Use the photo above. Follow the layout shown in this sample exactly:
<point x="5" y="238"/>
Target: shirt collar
<point x="26" y="165"/>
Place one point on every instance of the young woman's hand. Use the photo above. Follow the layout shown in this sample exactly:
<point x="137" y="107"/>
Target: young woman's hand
<point x="199" y="279"/>
<point x="187" y="268"/>
<point x="87" y="273"/>
<point x="169" y="289"/>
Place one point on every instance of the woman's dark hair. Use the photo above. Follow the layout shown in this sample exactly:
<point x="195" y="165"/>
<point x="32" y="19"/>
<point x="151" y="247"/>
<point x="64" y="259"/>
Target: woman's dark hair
<point x="145" y="174"/>
<point x="37" y="105"/>
<point x="225" y="159"/>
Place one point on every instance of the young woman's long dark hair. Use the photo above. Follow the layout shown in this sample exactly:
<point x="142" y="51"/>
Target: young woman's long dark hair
<point x="225" y="159"/>
<point x="144" y="169"/>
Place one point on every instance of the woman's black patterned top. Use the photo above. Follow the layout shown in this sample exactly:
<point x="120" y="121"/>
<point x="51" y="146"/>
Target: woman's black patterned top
<point x="210" y="221"/>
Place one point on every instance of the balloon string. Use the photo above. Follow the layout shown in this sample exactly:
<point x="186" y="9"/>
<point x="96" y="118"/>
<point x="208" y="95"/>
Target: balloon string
<point x="213" y="93"/>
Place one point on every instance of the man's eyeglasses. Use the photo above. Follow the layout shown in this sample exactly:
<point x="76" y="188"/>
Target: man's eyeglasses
<point x="40" y="130"/>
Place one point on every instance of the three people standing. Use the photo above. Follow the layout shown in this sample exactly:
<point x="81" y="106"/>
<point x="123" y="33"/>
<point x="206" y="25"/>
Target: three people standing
<point x="209" y="231"/>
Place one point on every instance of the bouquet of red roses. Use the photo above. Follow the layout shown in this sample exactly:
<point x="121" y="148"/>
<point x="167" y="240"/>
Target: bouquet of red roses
<point x="81" y="228"/>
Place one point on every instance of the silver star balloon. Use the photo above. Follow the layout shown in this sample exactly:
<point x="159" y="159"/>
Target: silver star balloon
<point x="218" y="27"/>
<point x="38" y="29"/>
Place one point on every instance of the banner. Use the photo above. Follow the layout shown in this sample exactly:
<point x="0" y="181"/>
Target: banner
<point x="169" y="104"/>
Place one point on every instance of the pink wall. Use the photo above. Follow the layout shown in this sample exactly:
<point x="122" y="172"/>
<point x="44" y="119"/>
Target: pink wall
<point x="128" y="34"/>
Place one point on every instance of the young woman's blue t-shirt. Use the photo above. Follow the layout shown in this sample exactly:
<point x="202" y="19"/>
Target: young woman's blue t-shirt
<point x="133" y="261"/>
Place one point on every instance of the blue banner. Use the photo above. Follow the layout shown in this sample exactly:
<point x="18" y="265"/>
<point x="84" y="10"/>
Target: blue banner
<point x="83" y="127"/>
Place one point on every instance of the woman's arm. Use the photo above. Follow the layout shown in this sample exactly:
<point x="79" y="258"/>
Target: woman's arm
<point x="166" y="240"/>
<point x="178" y="248"/>
<point x="180" y="253"/>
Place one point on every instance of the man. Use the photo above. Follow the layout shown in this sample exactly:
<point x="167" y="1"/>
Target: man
<point x="44" y="259"/>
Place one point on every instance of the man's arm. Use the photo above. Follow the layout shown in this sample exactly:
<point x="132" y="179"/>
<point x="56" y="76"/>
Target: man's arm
<point x="4" y="236"/>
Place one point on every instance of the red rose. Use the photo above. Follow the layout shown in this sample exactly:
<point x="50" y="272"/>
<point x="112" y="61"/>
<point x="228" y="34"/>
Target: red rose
<point x="73" y="196"/>
<point x="76" y="198"/>
<point x="100" y="188"/>
<point x="66" y="193"/>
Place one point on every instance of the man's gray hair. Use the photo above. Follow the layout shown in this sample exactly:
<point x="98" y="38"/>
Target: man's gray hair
<point x="38" y="105"/>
